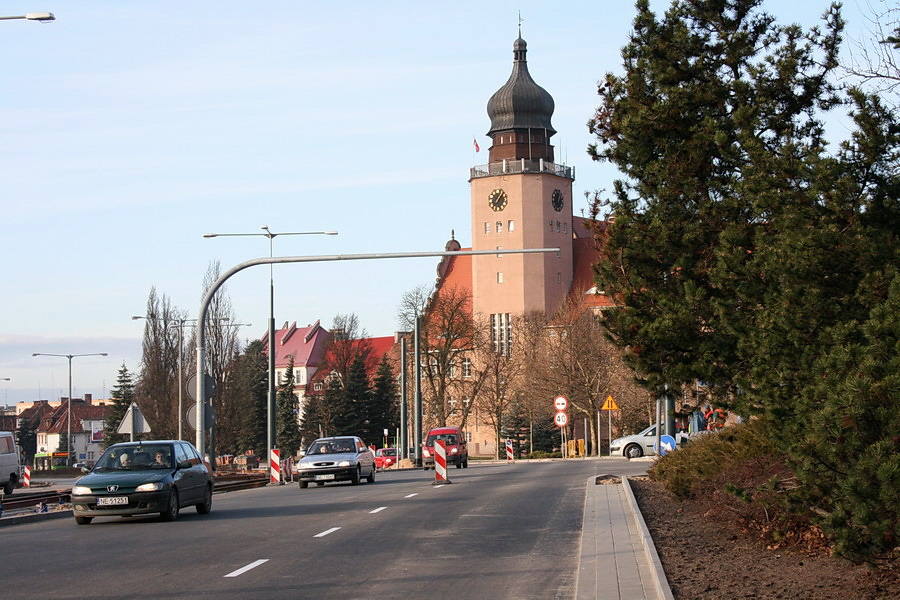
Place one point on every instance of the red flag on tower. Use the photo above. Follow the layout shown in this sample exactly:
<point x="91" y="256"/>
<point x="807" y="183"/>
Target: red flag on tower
<point x="477" y="148"/>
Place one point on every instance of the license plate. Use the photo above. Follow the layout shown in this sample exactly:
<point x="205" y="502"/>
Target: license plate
<point x="326" y="477"/>
<point x="112" y="500"/>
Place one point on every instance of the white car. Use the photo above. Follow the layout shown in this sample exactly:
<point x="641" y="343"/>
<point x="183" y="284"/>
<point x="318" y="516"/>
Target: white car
<point x="640" y="444"/>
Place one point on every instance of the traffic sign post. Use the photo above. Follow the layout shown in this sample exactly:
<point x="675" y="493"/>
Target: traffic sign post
<point x="609" y="405"/>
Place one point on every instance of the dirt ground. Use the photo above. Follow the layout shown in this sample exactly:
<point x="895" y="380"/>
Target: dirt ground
<point x="706" y="559"/>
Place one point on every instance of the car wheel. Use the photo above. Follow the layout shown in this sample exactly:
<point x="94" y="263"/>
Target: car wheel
<point x="633" y="451"/>
<point x="171" y="512"/>
<point x="371" y="477"/>
<point x="204" y="507"/>
<point x="459" y="464"/>
<point x="84" y="520"/>
<point x="354" y="477"/>
<point x="320" y="483"/>
<point x="303" y="485"/>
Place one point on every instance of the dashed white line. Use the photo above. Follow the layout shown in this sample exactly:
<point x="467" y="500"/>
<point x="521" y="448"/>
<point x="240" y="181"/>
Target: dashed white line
<point x="243" y="570"/>
<point x="411" y="495"/>
<point x="377" y="510"/>
<point x="326" y="532"/>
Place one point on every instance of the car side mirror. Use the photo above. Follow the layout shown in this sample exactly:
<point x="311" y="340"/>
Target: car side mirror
<point x="85" y="470"/>
<point x="185" y="464"/>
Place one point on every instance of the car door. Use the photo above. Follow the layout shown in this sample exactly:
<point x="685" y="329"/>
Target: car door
<point x="188" y="476"/>
<point x="366" y="458"/>
<point x="649" y="441"/>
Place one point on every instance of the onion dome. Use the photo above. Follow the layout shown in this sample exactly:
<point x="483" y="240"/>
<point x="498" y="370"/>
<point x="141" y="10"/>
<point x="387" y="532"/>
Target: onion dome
<point x="520" y="103"/>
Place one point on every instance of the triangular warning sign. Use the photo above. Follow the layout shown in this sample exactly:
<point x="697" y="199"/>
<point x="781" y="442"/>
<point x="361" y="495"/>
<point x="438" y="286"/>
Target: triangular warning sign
<point x="610" y="404"/>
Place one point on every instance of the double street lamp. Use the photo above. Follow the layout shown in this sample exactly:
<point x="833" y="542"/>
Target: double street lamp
<point x="69" y="411"/>
<point x="270" y="412"/>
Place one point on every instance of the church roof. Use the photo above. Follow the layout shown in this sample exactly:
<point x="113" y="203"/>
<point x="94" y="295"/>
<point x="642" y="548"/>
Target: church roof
<point x="520" y="103"/>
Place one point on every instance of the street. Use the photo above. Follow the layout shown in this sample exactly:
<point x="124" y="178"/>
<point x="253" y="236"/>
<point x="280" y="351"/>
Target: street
<point x="499" y="531"/>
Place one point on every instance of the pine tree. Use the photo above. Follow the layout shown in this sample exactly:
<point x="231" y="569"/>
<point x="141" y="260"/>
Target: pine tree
<point x="122" y="396"/>
<point x="251" y="386"/>
<point x="384" y="408"/>
<point x="287" y="430"/>
<point x="353" y="418"/>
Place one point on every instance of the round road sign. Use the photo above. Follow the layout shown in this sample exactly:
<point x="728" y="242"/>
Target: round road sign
<point x="561" y="419"/>
<point x="560" y="402"/>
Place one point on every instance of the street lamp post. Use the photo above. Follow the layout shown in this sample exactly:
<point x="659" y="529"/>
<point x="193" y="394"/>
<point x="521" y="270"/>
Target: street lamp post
<point x="69" y="407"/>
<point x="36" y="16"/>
<point x="180" y="323"/>
<point x="270" y="411"/>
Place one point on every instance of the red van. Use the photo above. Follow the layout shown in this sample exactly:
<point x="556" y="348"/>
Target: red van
<point x="455" y="443"/>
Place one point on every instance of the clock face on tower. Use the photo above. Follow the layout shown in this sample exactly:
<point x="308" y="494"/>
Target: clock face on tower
<point x="497" y="200"/>
<point x="557" y="200"/>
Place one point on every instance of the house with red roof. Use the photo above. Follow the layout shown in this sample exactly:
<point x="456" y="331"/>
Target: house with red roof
<point x="86" y="429"/>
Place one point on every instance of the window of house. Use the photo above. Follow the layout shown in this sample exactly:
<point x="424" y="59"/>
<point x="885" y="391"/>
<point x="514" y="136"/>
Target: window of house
<point x="499" y="226"/>
<point x="511" y="226"/>
<point x="317" y="386"/>
<point x="467" y="367"/>
<point x="452" y="369"/>
<point x="551" y="225"/>
<point x="499" y="277"/>
<point x="557" y="227"/>
<point x="499" y="248"/>
<point x="565" y="228"/>
<point x="558" y="277"/>
<point x="487" y="227"/>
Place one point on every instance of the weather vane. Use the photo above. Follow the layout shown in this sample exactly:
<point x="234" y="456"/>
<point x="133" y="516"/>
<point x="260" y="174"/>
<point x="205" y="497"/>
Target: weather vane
<point x="520" y="23"/>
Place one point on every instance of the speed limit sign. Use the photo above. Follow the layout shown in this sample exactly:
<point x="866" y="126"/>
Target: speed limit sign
<point x="561" y="419"/>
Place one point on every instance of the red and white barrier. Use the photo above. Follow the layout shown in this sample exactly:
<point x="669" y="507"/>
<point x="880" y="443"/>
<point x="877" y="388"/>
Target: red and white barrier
<point x="275" y="465"/>
<point x="26" y="477"/>
<point x="509" y="451"/>
<point x="440" y="462"/>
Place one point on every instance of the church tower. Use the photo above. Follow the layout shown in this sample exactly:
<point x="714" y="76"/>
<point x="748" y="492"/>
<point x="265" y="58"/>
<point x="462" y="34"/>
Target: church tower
<point x="520" y="199"/>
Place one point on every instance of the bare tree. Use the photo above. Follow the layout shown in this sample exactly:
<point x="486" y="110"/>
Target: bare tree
<point x="347" y="343"/>
<point x="874" y="59"/>
<point x="156" y="391"/>
<point x="449" y="335"/>
<point x="571" y="355"/>
<point x="497" y="375"/>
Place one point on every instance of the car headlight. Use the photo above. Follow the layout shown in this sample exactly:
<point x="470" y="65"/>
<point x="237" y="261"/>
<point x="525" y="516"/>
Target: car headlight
<point x="149" y="487"/>
<point x="425" y="452"/>
<point x="80" y="490"/>
<point x="454" y="451"/>
<point x="344" y="463"/>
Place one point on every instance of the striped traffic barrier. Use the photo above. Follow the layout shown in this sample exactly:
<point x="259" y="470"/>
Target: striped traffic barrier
<point x="275" y="466"/>
<point x="26" y="477"/>
<point x="440" y="463"/>
<point x="509" y="451"/>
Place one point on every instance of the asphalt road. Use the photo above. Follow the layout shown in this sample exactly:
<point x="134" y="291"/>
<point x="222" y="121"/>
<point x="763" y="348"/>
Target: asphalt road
<point x="498" y="531"/>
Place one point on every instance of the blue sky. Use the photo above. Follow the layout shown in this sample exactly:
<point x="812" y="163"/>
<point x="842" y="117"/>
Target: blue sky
<point x="130" y="129"/>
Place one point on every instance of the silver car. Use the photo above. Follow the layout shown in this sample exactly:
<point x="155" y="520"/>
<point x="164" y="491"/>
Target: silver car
<point x="342" y="458"/>
<point x="639" y="444"/>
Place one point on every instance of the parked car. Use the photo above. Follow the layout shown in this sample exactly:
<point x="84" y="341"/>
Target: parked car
<point x="385" y="458"/>
<point x="342" y="458"/>
<point x="454" y="443"/>
<point x="639" y="444"/>
<point x="138" y="478"/>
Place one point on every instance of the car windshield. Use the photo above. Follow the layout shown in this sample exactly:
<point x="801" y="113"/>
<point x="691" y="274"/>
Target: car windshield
<point x="135" y="458"/>
<point x="331" y="447"/>
<point x="448" y="438"/>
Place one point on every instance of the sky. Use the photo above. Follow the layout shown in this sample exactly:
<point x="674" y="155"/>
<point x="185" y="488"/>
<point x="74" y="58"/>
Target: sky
<point x="130" y="129"/>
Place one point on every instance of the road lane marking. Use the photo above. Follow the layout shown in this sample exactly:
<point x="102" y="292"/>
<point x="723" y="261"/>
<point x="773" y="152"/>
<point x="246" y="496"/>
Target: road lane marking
<point x="411" y="495"/>
<point x="377" y="510"/>
<point x="243" y="570"/>
<point x="326" y="532"/>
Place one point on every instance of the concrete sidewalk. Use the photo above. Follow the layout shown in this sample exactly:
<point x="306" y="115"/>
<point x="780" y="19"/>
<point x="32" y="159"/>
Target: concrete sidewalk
<point x="618" y="560"/>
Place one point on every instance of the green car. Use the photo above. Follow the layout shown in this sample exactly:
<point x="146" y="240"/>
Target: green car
<point x="139" y="478"/>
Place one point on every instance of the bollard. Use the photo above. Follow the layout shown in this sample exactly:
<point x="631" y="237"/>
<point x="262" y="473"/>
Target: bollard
<point x="26" y="478"/>
<point x="509" y="451"/>
<point x="275" y="466"/>
<point x="440" y="463"/>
